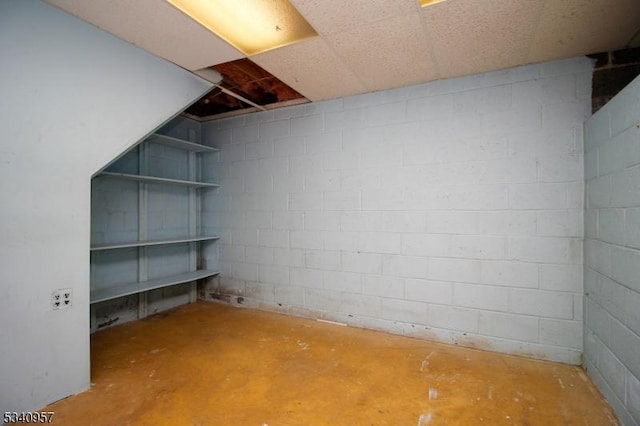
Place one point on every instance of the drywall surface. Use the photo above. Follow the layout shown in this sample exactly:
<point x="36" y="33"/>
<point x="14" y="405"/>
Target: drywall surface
<point x="612" y="248"/>
<point x="73" y="98"/>
<point x="450" y="211"/>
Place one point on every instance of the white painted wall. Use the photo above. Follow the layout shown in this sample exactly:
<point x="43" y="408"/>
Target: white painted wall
<point x="612" y="242"/>
<point x="73" y="98"/>
<point x="450" y="211"/>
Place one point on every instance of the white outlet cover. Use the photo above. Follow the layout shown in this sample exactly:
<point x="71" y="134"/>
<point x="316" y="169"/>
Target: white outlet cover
<point x="61" y="298"/>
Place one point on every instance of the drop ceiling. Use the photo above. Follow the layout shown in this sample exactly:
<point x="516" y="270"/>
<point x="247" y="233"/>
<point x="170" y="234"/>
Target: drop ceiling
<point x="369" y="45"/>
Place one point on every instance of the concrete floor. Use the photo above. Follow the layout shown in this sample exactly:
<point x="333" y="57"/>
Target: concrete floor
<point x="211" y="364"/>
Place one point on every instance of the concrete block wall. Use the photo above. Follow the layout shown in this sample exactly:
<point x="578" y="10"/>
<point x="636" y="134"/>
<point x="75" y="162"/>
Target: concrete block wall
<point x="612" y="245"/>
<point x="450" y="211"/>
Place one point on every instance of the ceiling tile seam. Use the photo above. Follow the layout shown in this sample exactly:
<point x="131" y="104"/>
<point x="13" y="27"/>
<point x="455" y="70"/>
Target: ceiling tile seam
<point x="527" y="58"/>
<point x="344" y="64"/>
<point x="427" y="34"/>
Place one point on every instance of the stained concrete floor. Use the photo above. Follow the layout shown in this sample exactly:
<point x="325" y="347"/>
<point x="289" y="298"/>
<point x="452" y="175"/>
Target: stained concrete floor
<point x="211" y="364"/>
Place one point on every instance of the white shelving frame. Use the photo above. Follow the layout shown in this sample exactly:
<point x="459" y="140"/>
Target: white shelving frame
<point x="143" y="283"/>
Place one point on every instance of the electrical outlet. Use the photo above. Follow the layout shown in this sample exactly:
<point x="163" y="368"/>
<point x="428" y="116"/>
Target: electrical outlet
<point x="61" y="298"/>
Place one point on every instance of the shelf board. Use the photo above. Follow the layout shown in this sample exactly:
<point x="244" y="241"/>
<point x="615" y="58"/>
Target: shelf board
<point x="112" y="246"/>
<point x="179" y="143"/>
<point x="134" y="288"/>
<point x="153" y="179"/>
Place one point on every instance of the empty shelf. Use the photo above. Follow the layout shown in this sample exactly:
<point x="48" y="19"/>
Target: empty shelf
<point x="134" y="288"/>
<point x="179" y="143"/>
<point x="111" y="246"/>
<point x="153" y="179"/>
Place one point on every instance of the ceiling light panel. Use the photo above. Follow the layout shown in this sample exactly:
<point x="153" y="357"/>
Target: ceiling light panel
<point x="425" y="3"/>
<point x="252" y="26"/>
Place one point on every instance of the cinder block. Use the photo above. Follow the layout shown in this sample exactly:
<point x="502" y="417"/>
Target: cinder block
<point x="244" y="237"/>
<point x="346" y="159"/>
<point x="625" y="345"/>
<point x="626" y="188"/>
<point x="404" y="266"/>
<point x="284" y="182"/>
<point x="323" y="142"/>
<point x="274" y="129"/>
<point x="632" y="228"/>
<point x="232" y="153"/>
<point x="341" y="200"/>
<point x="289" y="146"/>
<point x="560" y="223"/>
<point x="478" y="247"/>
<point x="404" y="310"/>
<point x="378" y="285"/>
<point x="452" y="222"/>
<point x="379" y="156"/>
<point x="561" y="277"/>
<point x="611" y="225"/>
<point x="561" y="333"/>
<point x="243" y="134"/>
<point x="307" y="125"/>
<point x="288" y="221"/>
<point x="340" y="240"/>
<point x="342" y="281"/>
<point x="545" y="250"/>
<point x="261" y="255"/>
<point x="624" y="109"/>
<point x="231" y="253"/>
<point x="599" y="192"/>
<point x="481" y="297"/>
<point x="289" y="295"/>
<point x="305" y="201"/>
<point x="367" y="263"/>
<point x="538" y="196"/>
<point x="305" y="277"/>
<point x="632" y="313"/>
<point x="288" y="257"/>
<point x="508" y="326"/>
<point x="612" y="296"/>
<point x="541" y="303"/>
<point x="457" y="270"/>
<point x="433" y="109"/>
<point x="323" y="259"/>
<point x="426" y="244"/>
<point x="359" y="221"/>
<point x="598" y="321"/>
<point x="481" y="101"/>
<point x="509" y="274"/>
<point x="633" y="396"/>
<point x="274" y="274"/>
<point x="379" y="242"/>
<point x="319" y="299"/>
<point x="322" y="221"/>
<point x="307" y="239"/>
<point x="245" y="271"/>
<point x="625" y="267"/>
<point x="360" y="179"/>
<point x="257" y="150"/>
<point x="506" y="223"/>
<point x="478" y="197"/>
<point x="358" y="304"/>
<point x="263" y="292"/>
<point x="322" y="181"/>
<point x="273" y="238"/>
<point x="304" y="164"/>
<point x="402" y="221"/>
<point x="440" y="292"/>
<point x="598" y="256"/>
<point x="452" y="318"/>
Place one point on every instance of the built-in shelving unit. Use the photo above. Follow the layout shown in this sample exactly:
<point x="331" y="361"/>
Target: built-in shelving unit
<point x="146" y="224"/>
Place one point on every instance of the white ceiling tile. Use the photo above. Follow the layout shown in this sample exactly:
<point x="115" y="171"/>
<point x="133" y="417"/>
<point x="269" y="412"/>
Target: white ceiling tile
<point x="333" y="16"/>
<point x="577" y="27"/>
<point x="390" y="53"/>
<point x="481" y="35"/>
<point x="311" y="68"/>
<point x="156" y="27"/>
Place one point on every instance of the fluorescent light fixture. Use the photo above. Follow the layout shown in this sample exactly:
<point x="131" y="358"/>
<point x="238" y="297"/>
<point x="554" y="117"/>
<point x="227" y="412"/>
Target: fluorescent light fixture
<point x="251" y="26"/>
<point x="425" y="3"/>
